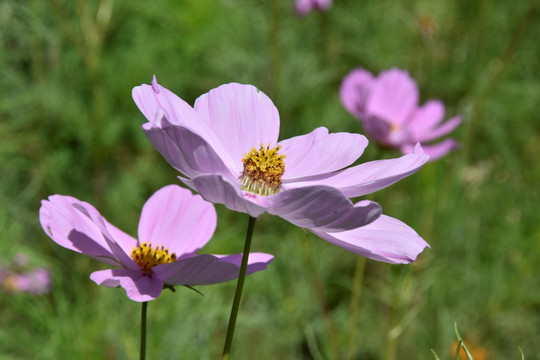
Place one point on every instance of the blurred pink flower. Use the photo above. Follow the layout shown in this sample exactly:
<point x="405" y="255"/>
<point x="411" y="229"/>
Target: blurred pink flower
<point x="388" y="108"/>
<point x="227" y="149"/>
<point x="174" y="225"/>
<point x="21" y="276"/>
<point x="304" y="7"/>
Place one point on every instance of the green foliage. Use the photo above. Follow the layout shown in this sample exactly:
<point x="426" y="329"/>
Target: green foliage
<point x="69" y="126"/>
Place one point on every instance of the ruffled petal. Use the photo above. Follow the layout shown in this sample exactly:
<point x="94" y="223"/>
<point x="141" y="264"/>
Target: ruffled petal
<point x="220" y="190"/>
<point x="241" y="116"/>
<point x="386" y="239"/>
<point x="139" y="285"/>
<point x="435" y="151"/>
<point x="322" y="207"/>
<point x="320" y="152"/>
<point x="177" y="219"/>
<point x="369" y="177"/>
<point x="72" y="229"/>
<point x="354" y="91"/>
<point x="184" y="150"/>
<point x="208" y="269"/>
<point x="393" y="96"/>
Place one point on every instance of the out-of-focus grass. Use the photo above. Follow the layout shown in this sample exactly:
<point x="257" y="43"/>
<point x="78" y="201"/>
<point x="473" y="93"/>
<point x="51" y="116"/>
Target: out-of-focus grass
<point x="69" y="126"/>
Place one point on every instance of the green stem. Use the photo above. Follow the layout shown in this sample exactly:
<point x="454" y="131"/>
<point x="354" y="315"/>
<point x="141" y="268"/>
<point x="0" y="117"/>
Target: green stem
<point x="239" y="288"/>
<point x="143" y="331"/>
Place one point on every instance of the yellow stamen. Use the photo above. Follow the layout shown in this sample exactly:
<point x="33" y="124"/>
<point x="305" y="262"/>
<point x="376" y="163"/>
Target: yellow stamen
<point x="147" y="256"/>
<point x="263" y="170"/>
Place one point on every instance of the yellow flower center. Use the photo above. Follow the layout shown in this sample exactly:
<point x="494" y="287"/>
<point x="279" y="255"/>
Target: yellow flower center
<point x="147" y="256"/>
<point x="263" y="169"/>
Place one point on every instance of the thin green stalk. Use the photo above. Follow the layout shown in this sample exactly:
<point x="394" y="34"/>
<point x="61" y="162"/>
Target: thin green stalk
<point x="239" y="288"/>
<point x="143" y="331"/>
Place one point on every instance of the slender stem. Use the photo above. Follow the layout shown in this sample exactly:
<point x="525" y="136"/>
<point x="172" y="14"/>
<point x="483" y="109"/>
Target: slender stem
<point x="143" y="331"/>
<point x="239" y="288"/>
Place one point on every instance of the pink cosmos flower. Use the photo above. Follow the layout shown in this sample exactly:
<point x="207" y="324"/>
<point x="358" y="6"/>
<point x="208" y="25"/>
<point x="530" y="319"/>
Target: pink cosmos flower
<point x="304" y="7"/>
<point x="389" y="111"/>
<point x="174" y="225"/>
<point x="227" y="149"/>
<point x="36" y="281"/>
<point x="20" y="276"/>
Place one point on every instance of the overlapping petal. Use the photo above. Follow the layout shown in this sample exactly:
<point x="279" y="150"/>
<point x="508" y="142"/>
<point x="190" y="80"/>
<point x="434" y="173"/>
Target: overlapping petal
<point x="74" y="230"/>
<point x="178" y="220"/>
<point x="241" y="117"/>
<point x="320" y="152"/>
<point x="372" y="176"/>
<point x="184" y="149"/>
<point x="386" y="239"/>
<point x="220" y="190"/>
<point x="354" y="91"/>
<point x="437" y="150"/>
<point x="322" y="207"/>
<point x="208" y="269"/>
<point x="393" y="96"/>
<point x="139" y="286"/>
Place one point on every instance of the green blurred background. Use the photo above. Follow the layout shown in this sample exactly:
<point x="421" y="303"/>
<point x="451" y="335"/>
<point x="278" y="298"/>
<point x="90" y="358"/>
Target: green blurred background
<point x="68" y="125"/>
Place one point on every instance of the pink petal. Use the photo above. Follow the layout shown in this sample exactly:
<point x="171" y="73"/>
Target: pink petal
<point x="386" y="239"/>
<point x="220" y="190"/>
<point x="354" y="91"/>
<point x="320" y="152"/>
<point x="208" y="269"/>
<point x="446" y="128"/>
<point x="73" y="230"/>
<point x="371" y="176"/>
<point x="378" y="129"/>
<point x="151" y="98"/>
<point x="121" y="245"/>
<point x="178" y="220"/>
<point x="436" y="151"/>
<point x="139" y="285"/>
<point x="393" y="97"/>
<point x="303" y="7"/>
<point x="323" y="4"/>
<point x="322" y="207"/>
<point x="184" y="150"/>
<point x="241" y="116"/>
<point x="426" y="117"/>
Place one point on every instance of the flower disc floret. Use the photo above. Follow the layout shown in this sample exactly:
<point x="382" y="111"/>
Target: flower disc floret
<point x="147" y="256"/>
<point x="263" y="170"/>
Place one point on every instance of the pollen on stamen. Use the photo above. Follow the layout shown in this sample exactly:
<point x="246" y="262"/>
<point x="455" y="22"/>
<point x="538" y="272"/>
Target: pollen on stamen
<point x="147" y="256"/>
<point x="263" y="170"/>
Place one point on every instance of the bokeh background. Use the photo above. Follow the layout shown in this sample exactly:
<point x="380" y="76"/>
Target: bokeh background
<point x="68" y="125"/>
